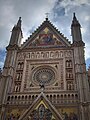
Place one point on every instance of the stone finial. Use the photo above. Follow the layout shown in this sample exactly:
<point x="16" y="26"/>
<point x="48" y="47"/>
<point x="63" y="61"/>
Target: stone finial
<point x="47" y="14"/>
<point x="74" y="16"/>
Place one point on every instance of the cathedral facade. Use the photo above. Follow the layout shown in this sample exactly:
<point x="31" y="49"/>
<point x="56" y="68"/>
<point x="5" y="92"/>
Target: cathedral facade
<point x="45" y="78"/>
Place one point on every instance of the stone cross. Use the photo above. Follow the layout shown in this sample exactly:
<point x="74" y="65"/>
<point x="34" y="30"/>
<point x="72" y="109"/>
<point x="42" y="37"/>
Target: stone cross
<point x="47" y="14"/>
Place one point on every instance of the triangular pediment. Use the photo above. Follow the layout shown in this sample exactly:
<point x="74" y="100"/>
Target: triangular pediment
<point x="46" y="36"/>
<point x="41" y="108"/>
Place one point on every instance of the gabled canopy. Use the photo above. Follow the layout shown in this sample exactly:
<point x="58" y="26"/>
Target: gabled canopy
<point x="46" y="36"/>
<point x="41" y="107"/>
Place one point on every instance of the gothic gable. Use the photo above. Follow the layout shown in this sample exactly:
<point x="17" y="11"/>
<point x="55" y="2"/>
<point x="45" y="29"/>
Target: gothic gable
<point x="46" y="36"/>
<point x="42" y="109"/>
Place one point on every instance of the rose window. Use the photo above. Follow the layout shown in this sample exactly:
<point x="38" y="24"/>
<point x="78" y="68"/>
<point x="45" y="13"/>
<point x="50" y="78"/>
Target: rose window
<point x="43" y="76"/>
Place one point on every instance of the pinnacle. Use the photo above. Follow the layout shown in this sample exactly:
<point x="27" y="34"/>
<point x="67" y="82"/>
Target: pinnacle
<point x="75" y="21"/>
<point x="19" y="22"/>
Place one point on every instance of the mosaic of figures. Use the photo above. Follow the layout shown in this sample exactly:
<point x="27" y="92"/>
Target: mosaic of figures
<point x="13" y="117"/>
<point x="41" y="113"/>
<point x="13" y="114"/>
<point x="46" y="54"/>
<point x="47" y="38"/>
<point x="69" y="114"/>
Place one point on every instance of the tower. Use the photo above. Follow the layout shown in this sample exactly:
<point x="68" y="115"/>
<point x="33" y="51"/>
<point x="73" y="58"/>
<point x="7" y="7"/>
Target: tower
<point x="80" y="69"/>
<point x="9" y="65"/>
<point x="48" y="60"/>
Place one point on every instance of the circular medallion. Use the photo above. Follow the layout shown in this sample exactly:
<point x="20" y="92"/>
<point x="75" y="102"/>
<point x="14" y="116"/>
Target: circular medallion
<point x="43" y="76"/>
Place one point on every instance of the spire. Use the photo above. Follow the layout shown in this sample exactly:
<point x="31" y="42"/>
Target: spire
<point x="75" y="21"/>
<point x="76" y="31"/>
<point x="19" y="22"/>
<point x="16" y="35"/>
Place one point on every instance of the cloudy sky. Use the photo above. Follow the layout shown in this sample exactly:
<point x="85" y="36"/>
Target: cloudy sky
<point x="33" y="14"/>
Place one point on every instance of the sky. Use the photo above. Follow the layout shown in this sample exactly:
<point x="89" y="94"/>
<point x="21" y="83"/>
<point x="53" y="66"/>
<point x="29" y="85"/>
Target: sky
<point x="33" y="13"/>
